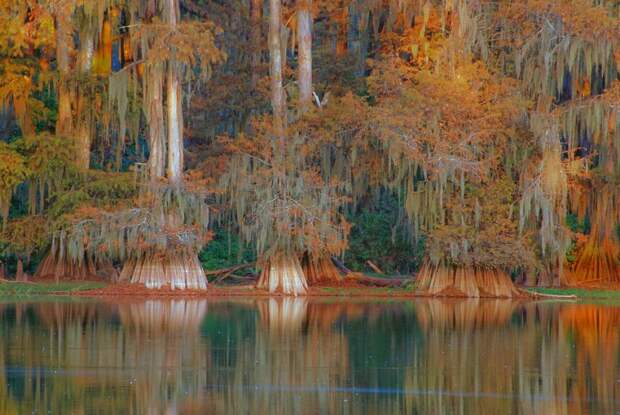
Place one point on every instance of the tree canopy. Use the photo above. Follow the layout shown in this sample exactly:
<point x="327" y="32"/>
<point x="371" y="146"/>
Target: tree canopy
<point x="132" y="130"/>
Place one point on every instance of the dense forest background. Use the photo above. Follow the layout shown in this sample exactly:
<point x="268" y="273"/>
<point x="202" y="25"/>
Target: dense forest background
<point x="475" y="143"/>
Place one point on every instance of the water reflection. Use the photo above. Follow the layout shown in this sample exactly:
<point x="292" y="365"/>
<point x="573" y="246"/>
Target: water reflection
<point x="303" y="356"/>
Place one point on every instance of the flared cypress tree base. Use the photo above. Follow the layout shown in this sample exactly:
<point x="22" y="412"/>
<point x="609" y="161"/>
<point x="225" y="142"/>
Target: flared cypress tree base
<point x="61" y="268"/>
<point x="177" y="270"/>
<point x="320" y="271"/>
<point x="597" y="263"/>
<point x="283" y="274"/>
<point x="465" y="281"/>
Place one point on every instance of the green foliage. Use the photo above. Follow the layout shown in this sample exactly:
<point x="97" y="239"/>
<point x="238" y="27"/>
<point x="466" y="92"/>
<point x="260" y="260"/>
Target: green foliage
<point x="571" y="252"/>
<point x="225" y="250"/>
<point x="44" y="110"/>
<point x="578" y="226"/>
<point x="377" y="236"/>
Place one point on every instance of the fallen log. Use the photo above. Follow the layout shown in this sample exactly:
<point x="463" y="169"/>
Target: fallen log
<point x="229" y="270"/>
<point x="536" y="294"/>
<point x="243" y="277"/>
<point x="379" y="282"/>
<point x="374" y="267"/>
<point x="251" y="278"/>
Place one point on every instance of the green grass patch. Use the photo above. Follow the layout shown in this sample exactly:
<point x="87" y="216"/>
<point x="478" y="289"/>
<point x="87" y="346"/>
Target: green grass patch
<point x="579" y="292"/>
<point x="21" y="288"/>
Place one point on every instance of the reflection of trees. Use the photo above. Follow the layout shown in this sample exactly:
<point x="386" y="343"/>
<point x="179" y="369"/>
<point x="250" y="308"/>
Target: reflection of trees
<point x="293" y="366"/>
<point x="302" y="356"/>
<point x="502" y="357"/>
<point x="163" y="348"/>
<point x="76" y="358"/>
<point x="572" y="361"/>
<point x="46" y="350"/>
<point x="465" y="314"/>
<point x="468" y="358"/>
<point x="8" y="406"/>
<point x="595" y="331"/>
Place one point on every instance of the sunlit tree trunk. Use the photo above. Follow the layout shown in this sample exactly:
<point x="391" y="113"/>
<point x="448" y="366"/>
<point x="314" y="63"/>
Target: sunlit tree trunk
<point x="155" y="115"/>
<point x="256" y="16"/>
<point x="176" y="267"/>
<point x="175" y="128"/>
<point x="304" y="27"/>
<point x="275" y="58"/>
<point x="175" y="120"/>
<point x="316" y="269"/>
<point x="282" y="272"/>
<point x="64" y="42"/>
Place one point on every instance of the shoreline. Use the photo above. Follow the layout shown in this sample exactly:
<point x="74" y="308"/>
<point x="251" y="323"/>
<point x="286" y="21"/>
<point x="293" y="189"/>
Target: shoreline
<point x="346" y="289"/>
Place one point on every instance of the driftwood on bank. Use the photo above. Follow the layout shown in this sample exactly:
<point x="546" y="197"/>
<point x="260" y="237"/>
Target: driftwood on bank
<point x="374" y="267"/>
<point x="229" y="272"/>
<point x="378" y="282"/>
<point x="542" y="295"/>
<point x="364" y="279"/>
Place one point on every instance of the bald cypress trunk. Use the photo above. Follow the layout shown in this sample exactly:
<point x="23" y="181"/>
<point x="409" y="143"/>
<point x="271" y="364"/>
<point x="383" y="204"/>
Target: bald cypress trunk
<point x="275" y="58"/>
<point x="282" y="272"/>
<point x="155" y="115"/>
<point x="464" y="281"/>
<point x="304" y="26"/>
<point x="175" y="128"/>
<point x="597" y="262"/>
<point x="177" y="266"/>
<point x="173" y="98"/>
<point x="320" y="270"/>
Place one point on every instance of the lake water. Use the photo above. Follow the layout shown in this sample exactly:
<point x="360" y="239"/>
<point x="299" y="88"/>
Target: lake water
<point x="299" y="356"/>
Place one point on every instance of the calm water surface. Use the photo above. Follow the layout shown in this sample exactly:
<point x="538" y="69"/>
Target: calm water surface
<point x="298" y="356"/>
